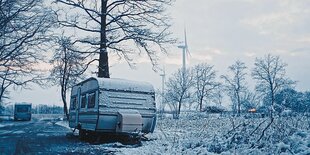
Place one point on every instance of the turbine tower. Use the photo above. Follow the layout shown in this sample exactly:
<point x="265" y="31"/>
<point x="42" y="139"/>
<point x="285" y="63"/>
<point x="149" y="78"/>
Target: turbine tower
<point x="185" y="50"/>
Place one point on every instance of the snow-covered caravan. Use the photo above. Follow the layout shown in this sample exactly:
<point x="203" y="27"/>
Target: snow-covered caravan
<point x="112" y="106"/>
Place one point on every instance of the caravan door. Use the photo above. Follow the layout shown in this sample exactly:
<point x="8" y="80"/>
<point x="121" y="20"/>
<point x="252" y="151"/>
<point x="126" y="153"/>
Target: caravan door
<point x="77" y="109"/>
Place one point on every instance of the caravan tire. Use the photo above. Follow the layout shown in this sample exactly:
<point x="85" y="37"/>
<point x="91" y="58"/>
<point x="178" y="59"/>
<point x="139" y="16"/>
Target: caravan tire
<point x="82" y="134"/>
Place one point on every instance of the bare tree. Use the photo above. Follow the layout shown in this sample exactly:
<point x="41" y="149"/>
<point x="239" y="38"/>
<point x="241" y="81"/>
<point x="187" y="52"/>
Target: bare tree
<point x="178" y="90"/>
<point x="270" y="74"/>
<point x="235" y="84"/>
<point x="218" y="95"/>
<point x="204" y="83"/>
<point x="4" y="85"/>
<point x="3" y="88"/>
<point x="23" y="25"/>
<point x="68" y="67"/>
<point x="118" y="25"/>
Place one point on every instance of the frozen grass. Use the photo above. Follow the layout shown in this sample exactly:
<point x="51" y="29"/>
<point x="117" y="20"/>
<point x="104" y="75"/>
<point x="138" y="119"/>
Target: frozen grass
<point x="47" y="117"/>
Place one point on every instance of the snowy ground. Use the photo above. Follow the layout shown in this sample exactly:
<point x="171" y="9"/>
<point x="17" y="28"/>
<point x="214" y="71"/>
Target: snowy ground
<point x="214" y="134"/>
<point x="193" y="133"/>
<point x="211" y="134"/>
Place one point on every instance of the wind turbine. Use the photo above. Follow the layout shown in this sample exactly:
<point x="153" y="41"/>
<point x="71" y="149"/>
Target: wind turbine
<point x="184" y="47"/>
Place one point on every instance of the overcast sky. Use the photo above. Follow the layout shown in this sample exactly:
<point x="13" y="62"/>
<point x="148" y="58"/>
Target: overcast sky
<point x="220" y="32"/>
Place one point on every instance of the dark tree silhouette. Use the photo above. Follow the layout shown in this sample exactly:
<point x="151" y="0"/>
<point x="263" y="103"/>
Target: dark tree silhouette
<point x="123" y="27"/>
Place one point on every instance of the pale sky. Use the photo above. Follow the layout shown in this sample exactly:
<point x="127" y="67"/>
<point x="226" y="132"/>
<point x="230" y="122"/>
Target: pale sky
<point x="220" y="32"/>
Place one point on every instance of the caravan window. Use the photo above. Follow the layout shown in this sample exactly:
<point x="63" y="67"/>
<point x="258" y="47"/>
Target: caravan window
<point x="91" y="100"/>
<point x="73" y="103"/>
<point x="22" y="109"/>
<point x="83" y="102"/>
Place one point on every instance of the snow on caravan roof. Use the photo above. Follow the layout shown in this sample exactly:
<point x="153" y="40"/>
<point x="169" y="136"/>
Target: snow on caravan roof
<point x="122" y="84"/>
<point x="22" y="103"/>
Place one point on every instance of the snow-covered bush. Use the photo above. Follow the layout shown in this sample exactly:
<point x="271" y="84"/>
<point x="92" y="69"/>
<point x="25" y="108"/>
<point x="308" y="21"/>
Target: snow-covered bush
<point x="214" y="109"/>
<point x="202" y="133"/>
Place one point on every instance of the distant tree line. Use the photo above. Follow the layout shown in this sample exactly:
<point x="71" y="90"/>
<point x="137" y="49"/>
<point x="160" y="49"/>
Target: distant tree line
<point x="47" y="109"/>
<point x="201" y="88"/>
<point x="36" y="109"/>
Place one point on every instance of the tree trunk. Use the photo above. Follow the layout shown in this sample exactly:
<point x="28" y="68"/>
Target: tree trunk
<point x="238" y="104"/>
<point x="3" y="87"/>
<point x="1" y="106"/>
<point x="64" y="84"/>
<point x="1" y="92"/>
<point x="179" y="110"/>
<point x="103" y="57"/>
<point x="200" y="105"/>
<point x="272" y="97"/>
<point x="272" y="104"/>
<point x="63" y="97"/>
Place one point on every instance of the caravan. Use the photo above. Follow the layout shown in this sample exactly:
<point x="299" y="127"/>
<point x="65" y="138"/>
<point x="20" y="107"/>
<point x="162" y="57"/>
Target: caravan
<point x="112" y="106"/>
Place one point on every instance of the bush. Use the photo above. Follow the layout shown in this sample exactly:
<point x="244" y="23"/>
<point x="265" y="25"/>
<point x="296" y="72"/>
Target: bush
<point x="214" y="109"/>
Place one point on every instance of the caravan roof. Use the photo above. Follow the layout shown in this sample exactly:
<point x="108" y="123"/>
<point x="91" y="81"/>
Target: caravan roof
<point x="115" y="84"/>
<point x="23" y="103"/>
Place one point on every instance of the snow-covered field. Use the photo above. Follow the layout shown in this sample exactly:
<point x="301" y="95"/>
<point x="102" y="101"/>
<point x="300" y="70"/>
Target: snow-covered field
<point x="196" y="133"/>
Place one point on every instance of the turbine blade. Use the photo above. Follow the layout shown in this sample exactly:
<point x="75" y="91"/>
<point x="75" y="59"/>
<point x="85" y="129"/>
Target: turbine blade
<point x="188" y="53"/>
<point x="186" y="45"/>
<point x="185" y="39"/>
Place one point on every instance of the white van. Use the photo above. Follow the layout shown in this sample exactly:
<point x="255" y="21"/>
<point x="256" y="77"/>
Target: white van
<point x="109" y="105"/>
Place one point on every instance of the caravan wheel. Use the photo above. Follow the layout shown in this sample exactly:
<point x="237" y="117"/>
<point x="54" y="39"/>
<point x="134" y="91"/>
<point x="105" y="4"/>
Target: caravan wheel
<point x="82" y="134"/>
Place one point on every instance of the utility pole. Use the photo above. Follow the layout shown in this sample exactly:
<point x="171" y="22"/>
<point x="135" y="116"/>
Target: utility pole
<point x="184" y="57"/>
<point x="162" y="108"/>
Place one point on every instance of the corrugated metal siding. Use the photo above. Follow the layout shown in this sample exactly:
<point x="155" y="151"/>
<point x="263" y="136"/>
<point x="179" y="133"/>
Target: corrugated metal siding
<point x="110" y="102"/>
<point x="113" y="101"/>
